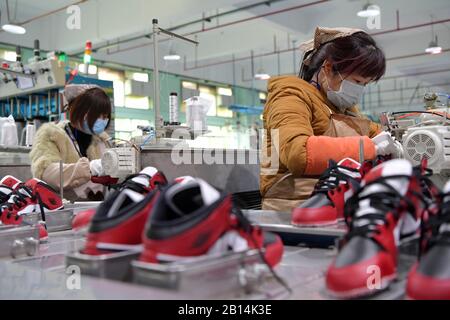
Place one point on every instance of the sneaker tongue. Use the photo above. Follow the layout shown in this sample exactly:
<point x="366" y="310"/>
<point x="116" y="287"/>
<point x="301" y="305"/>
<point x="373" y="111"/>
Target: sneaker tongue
<point x="124" y="198"/>
<point x="190" y="195"/>
<point x="350" y="163"/>
<point x="386" y="169"/>
<point x="10" y="181"/>
<point x="143" y="180"/>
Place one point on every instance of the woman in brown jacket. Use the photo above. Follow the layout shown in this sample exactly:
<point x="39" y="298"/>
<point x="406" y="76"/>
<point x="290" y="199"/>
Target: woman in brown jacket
<point x="313" y="118"/>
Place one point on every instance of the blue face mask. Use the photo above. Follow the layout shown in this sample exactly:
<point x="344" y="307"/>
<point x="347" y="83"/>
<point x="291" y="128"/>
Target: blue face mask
<point x="99" y="126"/>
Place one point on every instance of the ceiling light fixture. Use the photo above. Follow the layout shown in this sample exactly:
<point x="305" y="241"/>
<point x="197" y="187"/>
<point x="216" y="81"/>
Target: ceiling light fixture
<point x="369" y="10"/>
<point x="261" y="75"/>
<point x="433" y="47"/>
<point x="10" y="26"/>
<point x="172" y="56"/>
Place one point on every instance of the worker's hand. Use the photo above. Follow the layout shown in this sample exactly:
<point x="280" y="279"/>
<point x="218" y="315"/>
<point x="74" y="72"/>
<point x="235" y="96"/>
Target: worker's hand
<point x="385" y="144"/>
<point x="96" y="167"/>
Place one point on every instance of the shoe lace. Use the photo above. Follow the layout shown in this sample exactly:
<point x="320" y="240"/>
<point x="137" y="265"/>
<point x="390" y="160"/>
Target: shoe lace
<point x="431" y="228"/>
<point x="18" y="199"/>
<point x="388" y="200"/>
<point x="4" y="197"/>
<point x="128" y="183"/>
<point x="245" y="224"/>
<point x="332" y="178"/>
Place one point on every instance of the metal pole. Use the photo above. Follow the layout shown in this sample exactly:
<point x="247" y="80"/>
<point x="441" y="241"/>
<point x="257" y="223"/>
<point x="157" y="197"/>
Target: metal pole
<point x="361" y="151"/>
<point x="61" y="180"/>
<point x="156" y="92"/>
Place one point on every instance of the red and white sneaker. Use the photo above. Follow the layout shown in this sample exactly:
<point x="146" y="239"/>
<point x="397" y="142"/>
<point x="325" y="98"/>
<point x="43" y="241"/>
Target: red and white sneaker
<point x="143" y="182"/>
<point x="33" y="196"/>
<point x="119" y="221"/>
<point x="429" y="278"/>
<point x="367" y="259"/>
<point x="192" y="219"/>
<point x="7" y="185"/>
<point x="326" y="205"/>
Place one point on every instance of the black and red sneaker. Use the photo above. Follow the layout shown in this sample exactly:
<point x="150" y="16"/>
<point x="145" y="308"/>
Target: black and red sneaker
<point x="7" y="185"/>
<point x="429" y="278"/>
<point x="33" y="196"/>
<point x="326" y="205"/>
<point x="143" y="182"/>
<point x="119" y="221"/>
<point x="367" y="258"/>
<point x="192" y="219"/>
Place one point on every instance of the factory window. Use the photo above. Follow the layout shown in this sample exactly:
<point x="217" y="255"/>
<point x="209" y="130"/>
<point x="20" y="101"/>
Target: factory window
<point x="223" y="102"/>
<point x="137" y="102"/>
<point x="189" y="85"/>
<point x="9" y="55"/>
<point x="210" y="94"/>
<point x="134" y="126"/>
<point x="123" y="128"/>
<point x="117" y="77"/>
<point x="262" y="97"/>
<point x="141" y="77"/>
<point x="225" y="92"/>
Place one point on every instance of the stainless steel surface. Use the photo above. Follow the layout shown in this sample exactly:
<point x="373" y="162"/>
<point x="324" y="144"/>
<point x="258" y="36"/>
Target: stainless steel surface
<point x="58" y="220"/>
<point x="214" y="276"/>
<point x="18" y="240"/>
<point x="233" y="177"/>
<point x="114" y="266"/>
<point x="281" y="222"/>
<point x="45" y="276"/>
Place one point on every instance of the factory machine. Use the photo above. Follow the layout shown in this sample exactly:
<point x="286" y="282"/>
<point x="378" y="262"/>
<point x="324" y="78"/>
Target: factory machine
<point x="425" y="134"/>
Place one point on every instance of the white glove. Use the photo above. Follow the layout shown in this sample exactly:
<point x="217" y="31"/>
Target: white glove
<point x="96" y="167"/>
<point x="398" y="154"/>
<point x="385" y="144"/>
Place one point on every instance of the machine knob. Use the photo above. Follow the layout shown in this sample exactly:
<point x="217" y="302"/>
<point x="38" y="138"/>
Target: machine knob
<point x="16" y="248"/>
<point x="251" y="277"/>
<point x="31" y="246"/>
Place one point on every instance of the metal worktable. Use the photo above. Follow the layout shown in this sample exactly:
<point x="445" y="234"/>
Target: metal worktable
<point x="43" y="277"/>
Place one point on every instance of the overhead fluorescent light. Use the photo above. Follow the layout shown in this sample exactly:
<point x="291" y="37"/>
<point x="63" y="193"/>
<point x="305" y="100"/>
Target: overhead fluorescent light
<point x="369" y="10"/>
<point x="172" y="57"/>
<point x="262" y="76"/>
<point x="433" y="47"/>
<point x="433" y="50"/>
<point x="15" y="29"/>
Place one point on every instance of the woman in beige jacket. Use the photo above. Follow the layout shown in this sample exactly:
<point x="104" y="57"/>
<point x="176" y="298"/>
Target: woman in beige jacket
<point x="79" y="143"/>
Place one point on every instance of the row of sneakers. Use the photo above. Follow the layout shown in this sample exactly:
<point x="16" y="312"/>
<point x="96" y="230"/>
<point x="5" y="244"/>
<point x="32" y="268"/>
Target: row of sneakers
<point x="380" y="206"/>
<point x="183" y="219"/>
<point x="19" y="198"/>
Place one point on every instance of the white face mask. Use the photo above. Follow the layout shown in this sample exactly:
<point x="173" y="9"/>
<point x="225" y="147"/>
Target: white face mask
<point x="348" y="95"/>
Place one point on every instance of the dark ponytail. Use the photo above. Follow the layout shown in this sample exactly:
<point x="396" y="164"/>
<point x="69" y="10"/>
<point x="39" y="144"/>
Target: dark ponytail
<point x="357" y="53"/>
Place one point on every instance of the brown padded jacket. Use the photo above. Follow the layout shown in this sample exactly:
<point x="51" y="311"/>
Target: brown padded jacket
<point x="302" y="114"/>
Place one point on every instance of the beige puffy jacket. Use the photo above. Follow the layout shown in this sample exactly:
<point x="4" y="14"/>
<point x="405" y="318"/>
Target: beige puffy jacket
<point x="52" y="144"/>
